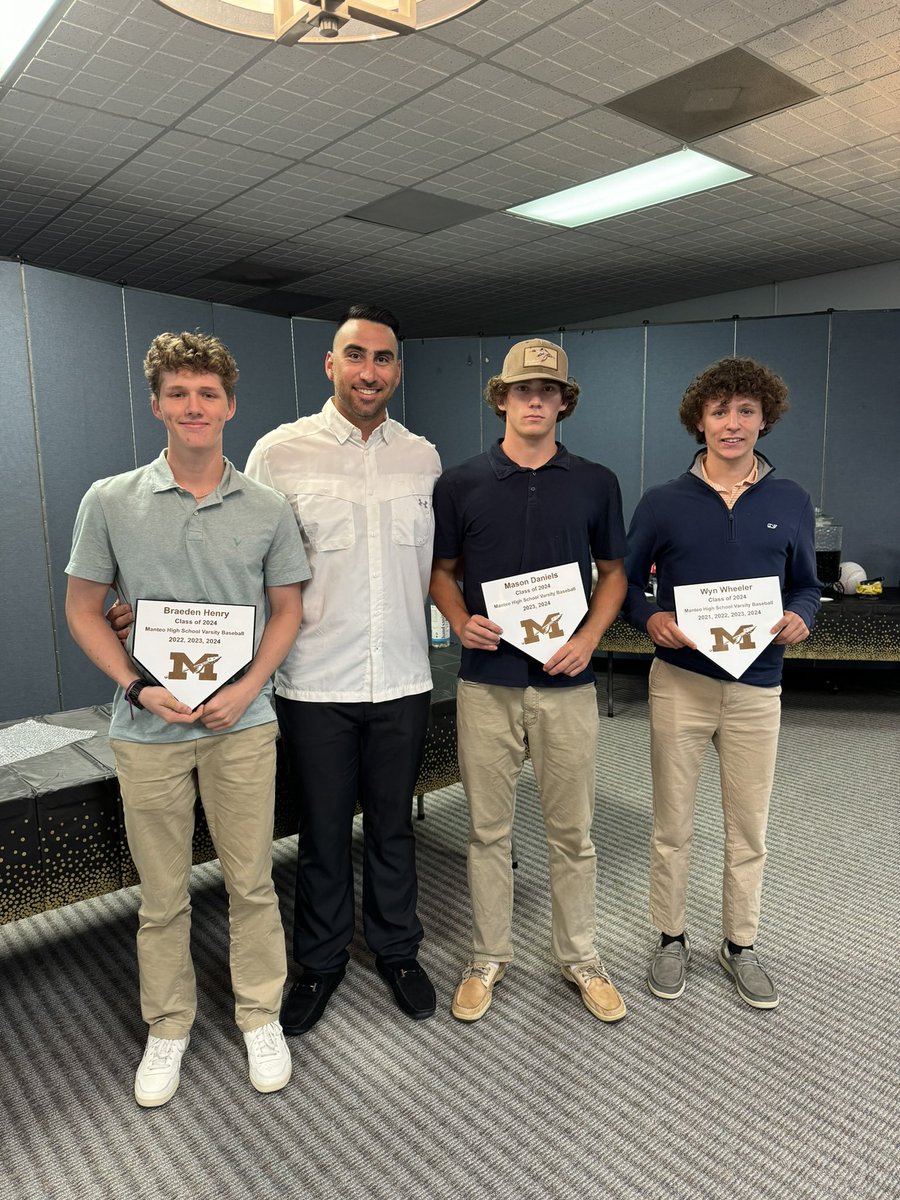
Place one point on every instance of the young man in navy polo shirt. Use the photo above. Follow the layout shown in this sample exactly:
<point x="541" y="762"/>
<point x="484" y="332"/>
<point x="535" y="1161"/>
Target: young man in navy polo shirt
<point x="529" y="505"/>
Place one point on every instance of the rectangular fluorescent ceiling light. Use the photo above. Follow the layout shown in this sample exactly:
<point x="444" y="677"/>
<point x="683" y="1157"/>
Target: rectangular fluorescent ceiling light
<point x="680" y="174"/>
<point x="19" y="21"/>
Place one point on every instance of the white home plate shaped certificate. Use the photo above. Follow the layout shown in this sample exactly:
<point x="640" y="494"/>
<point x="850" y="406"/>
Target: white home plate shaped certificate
<point x="537" y="612"/>
<point x="193" y="649"/>
<point x="729" y="622"/>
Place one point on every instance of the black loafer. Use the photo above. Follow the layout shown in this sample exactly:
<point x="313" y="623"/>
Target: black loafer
<point x="306" y="1000"/>
<point x="412" y="988"/>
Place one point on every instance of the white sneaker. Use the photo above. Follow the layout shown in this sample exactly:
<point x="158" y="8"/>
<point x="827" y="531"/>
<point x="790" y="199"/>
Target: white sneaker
<point x="159" y="1074"/>
<point x="269" y="1058"/>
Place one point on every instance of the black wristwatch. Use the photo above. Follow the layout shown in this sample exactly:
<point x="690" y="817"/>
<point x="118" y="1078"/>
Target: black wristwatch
<point x="133" y="691"/>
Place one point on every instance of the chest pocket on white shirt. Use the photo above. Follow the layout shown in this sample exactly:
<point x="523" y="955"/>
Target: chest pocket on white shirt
<point x="412" y="517"/>
<point x="325" y="514"/>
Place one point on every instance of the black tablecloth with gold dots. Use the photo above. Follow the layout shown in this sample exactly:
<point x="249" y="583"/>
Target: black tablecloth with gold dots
<point x="847" y="629"/>
<point x="62" y="832"/>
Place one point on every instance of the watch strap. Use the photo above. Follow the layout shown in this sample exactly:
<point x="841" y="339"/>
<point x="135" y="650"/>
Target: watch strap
<point x="133" y="691"/>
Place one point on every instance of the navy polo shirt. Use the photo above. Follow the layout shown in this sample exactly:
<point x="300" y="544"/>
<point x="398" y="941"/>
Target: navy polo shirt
<point x="503" y="519"/>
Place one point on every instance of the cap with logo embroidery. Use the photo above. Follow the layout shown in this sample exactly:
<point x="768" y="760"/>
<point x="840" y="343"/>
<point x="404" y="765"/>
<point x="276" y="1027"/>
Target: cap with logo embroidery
<point x="535" y="359"/>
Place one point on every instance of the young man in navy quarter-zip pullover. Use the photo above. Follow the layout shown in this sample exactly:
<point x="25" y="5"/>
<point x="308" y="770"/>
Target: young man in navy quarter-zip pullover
<point x="728" y="517"/>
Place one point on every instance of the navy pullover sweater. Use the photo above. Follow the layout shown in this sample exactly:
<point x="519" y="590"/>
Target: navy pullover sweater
<point x="686" y="528"/>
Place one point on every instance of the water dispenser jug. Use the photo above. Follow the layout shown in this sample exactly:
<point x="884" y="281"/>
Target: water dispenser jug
<point x="828" y="548"/>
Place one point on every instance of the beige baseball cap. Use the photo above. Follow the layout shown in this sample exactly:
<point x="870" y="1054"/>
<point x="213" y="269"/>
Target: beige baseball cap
<point x="535" y="359"/>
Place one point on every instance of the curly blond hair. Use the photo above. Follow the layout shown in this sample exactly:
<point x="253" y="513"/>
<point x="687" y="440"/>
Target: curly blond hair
<point x="734" y="377"/>
<point x="198" y="352"/>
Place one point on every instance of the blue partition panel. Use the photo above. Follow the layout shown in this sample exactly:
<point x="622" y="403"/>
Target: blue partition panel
<point x="675" y="355"/>
<point x="442" y="393"/>
<point x="797" y="349"/>
<point x="26" y="619"/>
<point x="146" y="315"/>
<point x="81" y="384"/>
<point x="862" y="446"/>
<point x="608" y="365"/>
<point x="840" y="440"/>
<point x="312" y="340"/>
<point x="266" y="397"/>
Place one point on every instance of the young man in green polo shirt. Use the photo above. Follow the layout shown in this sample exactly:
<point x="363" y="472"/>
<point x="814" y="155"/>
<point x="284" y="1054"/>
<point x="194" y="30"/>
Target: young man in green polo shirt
<point x="188" y="527"/>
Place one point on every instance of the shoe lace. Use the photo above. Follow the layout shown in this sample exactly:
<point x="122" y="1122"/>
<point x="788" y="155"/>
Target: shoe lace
<point x="479" y="970"/>
<point x="591" y="970"/>
<point x="676" y="949"/>
<point x="749" y="968"/>
<point x="265" y="1042"/>
<point x="160" y="1054"/>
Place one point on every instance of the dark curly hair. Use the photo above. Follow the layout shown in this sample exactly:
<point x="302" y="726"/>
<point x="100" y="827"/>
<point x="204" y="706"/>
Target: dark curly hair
<point x="495" y="393"/>
<point x="198" y="352"/>
<point x="734" y="377"/>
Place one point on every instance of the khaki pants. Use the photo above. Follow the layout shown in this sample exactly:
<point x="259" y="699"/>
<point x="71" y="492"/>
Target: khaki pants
<point x="688" y="710"/>
<point x="561" y="725"/>
<point x="236" y="777"/>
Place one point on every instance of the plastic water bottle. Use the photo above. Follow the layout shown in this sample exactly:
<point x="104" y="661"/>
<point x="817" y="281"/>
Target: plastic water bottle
<point x="440" y="628"/>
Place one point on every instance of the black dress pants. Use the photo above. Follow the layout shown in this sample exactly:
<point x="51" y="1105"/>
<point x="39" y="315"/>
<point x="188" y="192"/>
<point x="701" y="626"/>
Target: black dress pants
<point x="342" y="755"/>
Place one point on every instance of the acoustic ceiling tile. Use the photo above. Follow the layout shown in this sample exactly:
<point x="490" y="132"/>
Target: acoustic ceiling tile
<point x="212" y="178"/>
<point x="96" y="18"/>
<point x="880" y="24"/>
<point x="503" y="21"/>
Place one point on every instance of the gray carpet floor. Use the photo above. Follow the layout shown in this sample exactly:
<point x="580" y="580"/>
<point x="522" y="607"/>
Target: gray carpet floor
<point x="701" y="1097"/>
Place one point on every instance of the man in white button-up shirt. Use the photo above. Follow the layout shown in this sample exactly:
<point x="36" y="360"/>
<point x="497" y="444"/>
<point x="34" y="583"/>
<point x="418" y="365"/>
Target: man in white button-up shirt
<point x="353" y="695"/>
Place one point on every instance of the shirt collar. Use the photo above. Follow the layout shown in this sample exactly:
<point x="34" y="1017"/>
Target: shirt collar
<point x="344" y="430"/>
<point x="503" y="466"/>
<point x="162" y="479"/>
<point x="763" y="466"/>
<point x="750" y="478"/>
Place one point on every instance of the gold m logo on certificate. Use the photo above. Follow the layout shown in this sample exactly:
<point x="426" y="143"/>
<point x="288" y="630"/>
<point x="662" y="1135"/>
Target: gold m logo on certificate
<point x="193" y="649"/>
<point x="537" y="612"/>
<point x="729" y="622"/>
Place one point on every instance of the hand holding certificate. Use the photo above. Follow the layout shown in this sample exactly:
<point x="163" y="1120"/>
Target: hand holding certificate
<point x="537" y="612"/>
<point x="193" y="649"/>
<point x="730" y="622"/>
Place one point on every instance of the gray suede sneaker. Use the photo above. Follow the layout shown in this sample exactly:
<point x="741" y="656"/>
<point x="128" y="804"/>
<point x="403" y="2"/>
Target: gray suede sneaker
<point x="753" y="984"/>
<point x="668" y="968"/>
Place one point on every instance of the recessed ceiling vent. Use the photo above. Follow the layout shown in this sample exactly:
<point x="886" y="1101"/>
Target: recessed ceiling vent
<point x="255" y="274"/>
<point x="418" y="212"/>
<point x="731" y="89"/>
